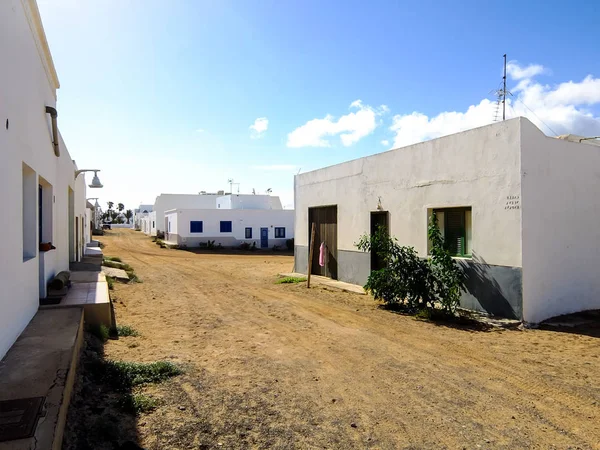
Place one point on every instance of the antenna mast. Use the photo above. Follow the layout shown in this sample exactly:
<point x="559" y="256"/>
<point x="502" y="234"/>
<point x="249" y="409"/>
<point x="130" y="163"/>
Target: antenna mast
<point x="504" y="91"/>
<point x="500" y="95"/>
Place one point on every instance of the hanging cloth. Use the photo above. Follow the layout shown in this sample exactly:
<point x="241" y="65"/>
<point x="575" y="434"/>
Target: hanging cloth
<point x="323" y="254"/>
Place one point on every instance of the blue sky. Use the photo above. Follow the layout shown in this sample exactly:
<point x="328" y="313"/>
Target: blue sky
<point x="161" y="95"/>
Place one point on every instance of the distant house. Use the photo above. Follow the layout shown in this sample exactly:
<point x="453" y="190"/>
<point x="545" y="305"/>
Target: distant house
<point x="43" y="200"/>
<point x="254" y="219"/>
<point x="139" y="213"/>
<point x="519" y="211"/>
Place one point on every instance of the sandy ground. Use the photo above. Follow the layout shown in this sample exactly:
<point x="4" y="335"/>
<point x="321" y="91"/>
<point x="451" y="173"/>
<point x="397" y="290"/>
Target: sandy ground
<point x="282" y="366"/>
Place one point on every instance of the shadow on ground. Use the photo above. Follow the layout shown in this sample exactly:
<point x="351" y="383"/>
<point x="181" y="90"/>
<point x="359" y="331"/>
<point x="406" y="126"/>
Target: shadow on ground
<point x="98" y="417"/>
<point x="585" y="323"/>
<point x="463" y="322"/>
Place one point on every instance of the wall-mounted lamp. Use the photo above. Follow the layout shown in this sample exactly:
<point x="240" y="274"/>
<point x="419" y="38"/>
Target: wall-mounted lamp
<point x="379" y="207"/>
<point x="95" y="181"/>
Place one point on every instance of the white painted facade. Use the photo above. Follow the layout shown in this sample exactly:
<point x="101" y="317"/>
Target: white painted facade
<point x="179" y="230"/>
<point x="30" y="170"/>
<point x="165" y="202"/>
<point x="532" y="197"/>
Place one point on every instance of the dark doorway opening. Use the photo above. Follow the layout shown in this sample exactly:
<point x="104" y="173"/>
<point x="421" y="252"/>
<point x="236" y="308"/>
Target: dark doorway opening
<point x="325" y="220"/>
<point x="379" y="219"/>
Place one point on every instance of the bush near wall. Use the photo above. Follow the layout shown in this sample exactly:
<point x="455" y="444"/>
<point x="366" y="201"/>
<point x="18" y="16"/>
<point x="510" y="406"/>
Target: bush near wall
<point x="412" y="282"/>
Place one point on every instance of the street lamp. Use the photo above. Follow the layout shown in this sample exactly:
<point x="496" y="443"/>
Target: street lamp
<point x="95" y="181"/>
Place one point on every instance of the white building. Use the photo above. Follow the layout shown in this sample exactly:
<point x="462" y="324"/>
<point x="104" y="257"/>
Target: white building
<point x="521" y="209"/>
<point x="165" y="202"/>
<point x="43" y="199"/>
<point x="234" y="219"/>
<point x="139" y="213"/>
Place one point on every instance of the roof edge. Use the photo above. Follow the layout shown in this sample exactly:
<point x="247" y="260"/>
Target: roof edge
<point x="41" y="42"/>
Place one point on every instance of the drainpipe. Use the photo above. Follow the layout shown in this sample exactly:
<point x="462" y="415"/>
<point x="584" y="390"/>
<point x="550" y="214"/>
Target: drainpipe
<point x="53" y="114"/>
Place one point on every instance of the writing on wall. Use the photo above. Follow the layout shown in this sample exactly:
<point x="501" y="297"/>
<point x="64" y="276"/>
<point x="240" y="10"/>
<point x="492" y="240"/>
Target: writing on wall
<point x="513" y="202"/>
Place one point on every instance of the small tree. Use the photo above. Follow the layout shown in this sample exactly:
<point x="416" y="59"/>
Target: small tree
<point x="410" y="280"/>
<point x="110" y="205"/>
<point x="449" y="279"/>
<point x="120" y="207"/>
<point x="128" y="215"/>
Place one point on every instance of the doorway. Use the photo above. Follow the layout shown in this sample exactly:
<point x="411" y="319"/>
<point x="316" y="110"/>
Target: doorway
<point x="325" y="220"/>
<point x="379" y="219"/>
<point x="264" y="238"/>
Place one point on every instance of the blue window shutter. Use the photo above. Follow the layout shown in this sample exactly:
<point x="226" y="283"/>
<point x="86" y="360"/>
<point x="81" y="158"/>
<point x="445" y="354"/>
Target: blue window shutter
<point x="196" y="226"/>
<point x="226" y="226"/>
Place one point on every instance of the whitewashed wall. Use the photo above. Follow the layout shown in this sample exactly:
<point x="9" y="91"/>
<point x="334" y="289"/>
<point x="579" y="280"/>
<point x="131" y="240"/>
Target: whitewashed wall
<point x="479" y="168"/>
<point x="254" y="218"/>
<point x="165" y="202"/>
<point x="28" y="84"/>
<point x="561" y="255"/>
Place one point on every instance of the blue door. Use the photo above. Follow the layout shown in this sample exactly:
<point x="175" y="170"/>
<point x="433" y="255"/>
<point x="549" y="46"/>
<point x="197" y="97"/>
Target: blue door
<point x="264" y="238"/>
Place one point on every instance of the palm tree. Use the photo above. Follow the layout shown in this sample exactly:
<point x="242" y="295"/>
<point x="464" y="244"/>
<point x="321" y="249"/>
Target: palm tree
<point x="128" y="215"/>
<point x="120" y="207"/>
<point x="110" y="205"/>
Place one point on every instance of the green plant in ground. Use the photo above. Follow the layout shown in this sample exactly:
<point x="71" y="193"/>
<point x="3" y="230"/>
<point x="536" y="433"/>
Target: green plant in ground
<point x="448" y="277"/>
<point x="113" y="258"/>
<point x="410" y="281"/>
<point x="110" y="281"/>
<point x="122" y="375"/>
<point x="100" y="331"/>
<point x="138" y="403"/>
<point x="127" y="330"/>
<point x="286" y="280"/>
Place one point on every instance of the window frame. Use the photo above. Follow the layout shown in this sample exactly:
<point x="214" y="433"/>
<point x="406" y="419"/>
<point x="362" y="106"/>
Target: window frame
<point x="201" y="222"/>
<point x="222" y="222"/>
<point x="246" y="234"/>
<point x="467" y="251"/>
<point x="278" y="233"/>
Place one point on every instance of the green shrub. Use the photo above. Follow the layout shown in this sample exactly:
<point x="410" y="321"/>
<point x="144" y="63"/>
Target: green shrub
<point x="409" y="280"/>
<point x="126" y="330"/>
<point x="124" y="375"/>
<point x="286" y="280"/>
<point x="111" y="283"/>
<point x="100" y="331"/>
<point x="138" y="403"/>
<point x="112" y="258"/>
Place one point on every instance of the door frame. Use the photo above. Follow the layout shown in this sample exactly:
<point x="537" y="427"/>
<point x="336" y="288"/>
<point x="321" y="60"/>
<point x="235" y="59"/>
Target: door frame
<point x="376" y="262"/>
<point x="264" y="240"/>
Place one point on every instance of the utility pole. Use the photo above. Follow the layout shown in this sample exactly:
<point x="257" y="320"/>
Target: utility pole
<point x="504" y="91"/>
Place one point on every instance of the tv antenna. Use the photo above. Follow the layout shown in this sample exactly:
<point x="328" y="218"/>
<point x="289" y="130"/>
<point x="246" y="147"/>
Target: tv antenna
<point x="231" y="183"/>
<point x="501" y="94"/>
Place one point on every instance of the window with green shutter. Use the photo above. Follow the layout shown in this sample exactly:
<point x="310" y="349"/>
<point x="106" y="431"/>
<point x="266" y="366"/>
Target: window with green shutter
<point x="456" y="227"/>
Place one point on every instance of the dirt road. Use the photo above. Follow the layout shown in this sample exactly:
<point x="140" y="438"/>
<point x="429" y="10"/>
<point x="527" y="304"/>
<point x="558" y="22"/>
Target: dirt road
<point x="280" y="366"/>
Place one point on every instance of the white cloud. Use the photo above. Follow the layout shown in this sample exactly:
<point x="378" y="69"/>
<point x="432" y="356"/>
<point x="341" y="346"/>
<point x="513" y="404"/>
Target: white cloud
<point x="385" y="143"/>
<point x="517" y="72"/>
<point x="351" y="128"/>
<point x="277" y="167"/>
<point x="200" y="130"/>
<point x="259" y="127"/>
<point x="559" y="109"/>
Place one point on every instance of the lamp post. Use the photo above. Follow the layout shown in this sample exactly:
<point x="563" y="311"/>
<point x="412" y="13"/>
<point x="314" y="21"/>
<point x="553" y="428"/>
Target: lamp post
<point x="95" y="181"/>
<point x="96" y="212"/>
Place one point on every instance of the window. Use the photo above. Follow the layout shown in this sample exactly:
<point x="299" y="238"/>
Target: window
<point x="279" y="232"/>
<point x="456" y="227"/>
<point x="196" y="226"/>
<point x="248" y="233"/>
<point x="153" y="224"/>
<point x="169" y="226"/>
<point x="225" y="226"/>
